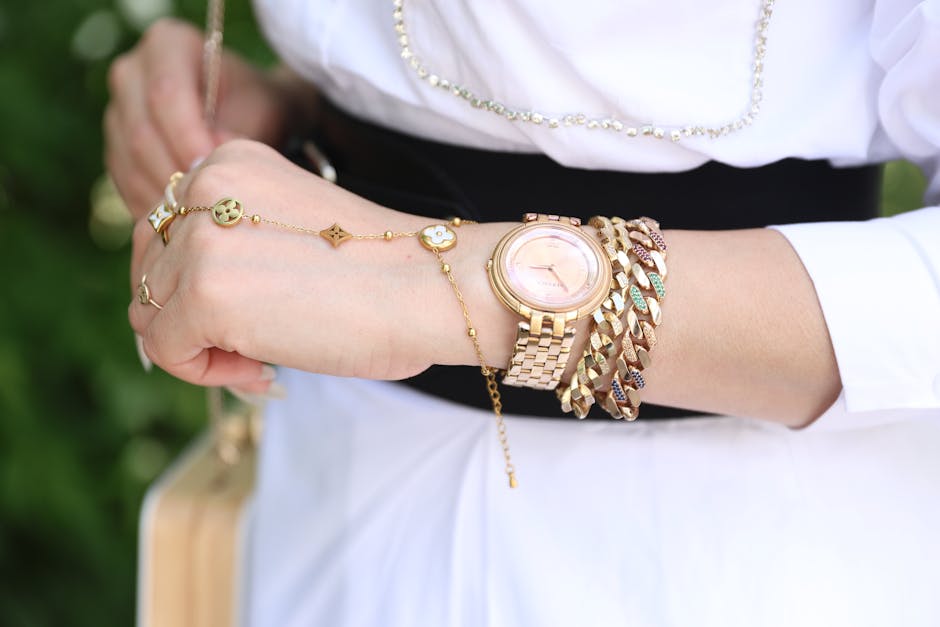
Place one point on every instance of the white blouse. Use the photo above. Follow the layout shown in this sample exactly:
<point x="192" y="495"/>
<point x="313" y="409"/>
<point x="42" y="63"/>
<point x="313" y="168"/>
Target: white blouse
<point x="713" y="521"/>
<point x="844" y="80"/>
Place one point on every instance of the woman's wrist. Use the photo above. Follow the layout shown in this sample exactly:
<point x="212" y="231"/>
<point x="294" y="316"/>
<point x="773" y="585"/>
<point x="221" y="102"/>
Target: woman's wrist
<point x="743" y="333"/>
<point x="494" y="324"/>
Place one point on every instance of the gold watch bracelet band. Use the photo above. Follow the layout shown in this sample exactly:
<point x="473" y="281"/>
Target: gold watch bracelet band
<point x="541" y="351"/>
<point x="543" y="343"/>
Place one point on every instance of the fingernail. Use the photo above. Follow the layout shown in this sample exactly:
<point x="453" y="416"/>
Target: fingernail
<point x="144" y="360"/>
<point x="268" y="373"/>
<point x="196" y="163"/>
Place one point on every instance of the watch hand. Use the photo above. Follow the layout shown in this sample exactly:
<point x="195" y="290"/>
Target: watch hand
<point x="552" y="269"/>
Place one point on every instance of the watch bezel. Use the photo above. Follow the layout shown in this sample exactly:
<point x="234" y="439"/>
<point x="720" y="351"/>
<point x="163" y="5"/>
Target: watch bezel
<point x="512" y="299"/>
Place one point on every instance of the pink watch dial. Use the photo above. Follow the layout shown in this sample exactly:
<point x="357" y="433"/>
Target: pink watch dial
<point x="552" y="267"/>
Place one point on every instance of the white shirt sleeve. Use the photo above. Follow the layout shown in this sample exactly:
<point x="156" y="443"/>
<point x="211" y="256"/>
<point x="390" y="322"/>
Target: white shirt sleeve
<point x="878" y="281"/>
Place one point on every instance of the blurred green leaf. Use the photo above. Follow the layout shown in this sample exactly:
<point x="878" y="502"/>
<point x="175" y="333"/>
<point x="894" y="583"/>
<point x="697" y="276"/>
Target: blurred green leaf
<point x="83" y="429"/>
<point x="903" y="188"/>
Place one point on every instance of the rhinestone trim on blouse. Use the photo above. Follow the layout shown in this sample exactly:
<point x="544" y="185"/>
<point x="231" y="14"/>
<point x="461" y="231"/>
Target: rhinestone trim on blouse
<point x="613" y="124"/>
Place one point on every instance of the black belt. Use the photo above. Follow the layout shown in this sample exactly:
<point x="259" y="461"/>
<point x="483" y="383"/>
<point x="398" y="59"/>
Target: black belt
<point x="442" y="180"/>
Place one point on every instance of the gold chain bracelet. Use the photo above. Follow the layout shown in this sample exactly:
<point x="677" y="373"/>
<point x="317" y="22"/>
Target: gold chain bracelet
<point x="229" y="212"/>
<point x="642" y="245"/>
<point x="636" y="250"/>
<point x="489" y="374"/>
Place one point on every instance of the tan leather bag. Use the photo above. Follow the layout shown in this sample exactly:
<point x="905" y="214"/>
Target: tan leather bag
<point x="194" y="529"/>
<point x="196" y="518"/>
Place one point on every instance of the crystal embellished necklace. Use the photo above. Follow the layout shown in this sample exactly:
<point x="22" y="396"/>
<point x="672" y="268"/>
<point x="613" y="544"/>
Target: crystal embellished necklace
<point x="613" y="124"/>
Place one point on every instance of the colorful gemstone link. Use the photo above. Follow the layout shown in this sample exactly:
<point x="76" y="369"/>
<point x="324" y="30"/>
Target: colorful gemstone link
<point x="638" y="378"/>
<point x="657" y="237"/>
<point x="619" y="394"/>
<point x="642" y="253"/>
<point x="637" y="297"/>
<point x="657" y="282"/>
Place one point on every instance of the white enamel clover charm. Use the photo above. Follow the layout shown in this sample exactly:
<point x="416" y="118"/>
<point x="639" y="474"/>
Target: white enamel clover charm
<point x="438" y="237"/>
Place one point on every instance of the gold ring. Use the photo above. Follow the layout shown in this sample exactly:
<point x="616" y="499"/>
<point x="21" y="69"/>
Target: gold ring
<point x="169" y="193"/>
<point x="163" y="214"/>
<point x="143" y="294"/>
<point x="160" y="218"/>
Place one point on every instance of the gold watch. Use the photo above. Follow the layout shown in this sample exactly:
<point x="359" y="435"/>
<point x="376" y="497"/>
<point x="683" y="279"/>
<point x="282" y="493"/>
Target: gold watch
<point x="550" y="272"/>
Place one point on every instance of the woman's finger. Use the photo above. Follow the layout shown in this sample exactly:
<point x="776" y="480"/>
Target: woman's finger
<point x="150" y="258"/>
<point x="137" y="190"/>
<point x="175" y="341"/>
<point x="138" y="159"/>
<point x="216" y="367"/>
<point x="149" y="156"/>
<point x="146" y="244"/>
<point x="151" y="295"/>
<point x="172" y="330"/>
<point x="173" y="97"/>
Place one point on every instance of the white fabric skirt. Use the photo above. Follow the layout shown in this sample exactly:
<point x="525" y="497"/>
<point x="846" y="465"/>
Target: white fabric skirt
<point x="379" y="505"/>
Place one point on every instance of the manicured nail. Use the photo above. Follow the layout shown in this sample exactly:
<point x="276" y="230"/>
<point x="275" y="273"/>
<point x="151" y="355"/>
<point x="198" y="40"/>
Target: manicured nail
<point x="144" y="360"/>
<point x="268" y="373"/>
<point x="196" y="163"/>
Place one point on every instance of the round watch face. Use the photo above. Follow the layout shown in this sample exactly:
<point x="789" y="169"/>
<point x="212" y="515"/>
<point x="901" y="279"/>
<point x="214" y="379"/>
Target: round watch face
<point x="553" y="268"/>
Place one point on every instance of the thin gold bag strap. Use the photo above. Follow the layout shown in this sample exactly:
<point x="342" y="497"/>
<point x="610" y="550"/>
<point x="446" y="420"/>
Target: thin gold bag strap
<point x="232" y="432"/>
<point x="212" y="57"/>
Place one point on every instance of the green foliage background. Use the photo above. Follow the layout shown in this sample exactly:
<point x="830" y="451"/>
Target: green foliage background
<point x="83" y="429"/>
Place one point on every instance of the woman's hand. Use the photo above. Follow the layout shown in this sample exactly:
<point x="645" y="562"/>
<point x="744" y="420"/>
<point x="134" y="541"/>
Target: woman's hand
<point x="235" y="297"/>
<point x="154" y="123"/>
